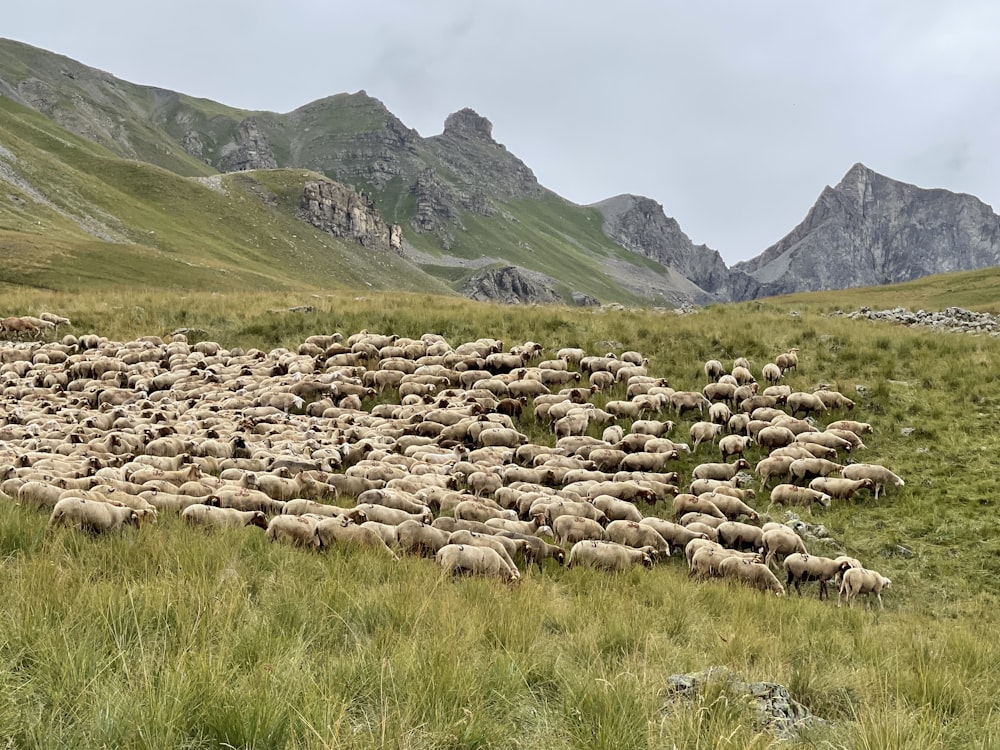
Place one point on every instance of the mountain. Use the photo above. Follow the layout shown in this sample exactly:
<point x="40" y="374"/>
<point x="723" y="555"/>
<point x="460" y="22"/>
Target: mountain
<point x="871" y="230"/>
<point x="372" y="202"/>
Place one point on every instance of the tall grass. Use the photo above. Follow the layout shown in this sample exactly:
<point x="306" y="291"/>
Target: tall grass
<point x="169" y="637"/>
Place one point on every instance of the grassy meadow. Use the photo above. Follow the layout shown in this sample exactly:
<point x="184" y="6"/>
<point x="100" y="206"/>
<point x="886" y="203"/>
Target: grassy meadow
<point x="172" y="638"/>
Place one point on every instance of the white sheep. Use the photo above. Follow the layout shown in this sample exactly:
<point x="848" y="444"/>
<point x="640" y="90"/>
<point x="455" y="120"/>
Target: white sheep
<point x="862" y="581"/>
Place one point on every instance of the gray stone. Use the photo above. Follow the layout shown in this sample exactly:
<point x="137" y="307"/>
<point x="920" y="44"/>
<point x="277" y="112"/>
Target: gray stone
<point x="344" y="212"/>
<point x="510" y="285"/>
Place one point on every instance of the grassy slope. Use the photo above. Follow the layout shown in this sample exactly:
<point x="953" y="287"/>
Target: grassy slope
<point x="203" y="643"/>
<point x="169" y="231"/>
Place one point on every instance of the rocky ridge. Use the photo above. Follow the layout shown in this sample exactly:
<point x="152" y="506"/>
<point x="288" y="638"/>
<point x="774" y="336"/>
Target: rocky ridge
<point x="344" y="212"/>
<point x="510" y="285"/>
<point x="249" y="149"/>
<point x="951" y="319"/>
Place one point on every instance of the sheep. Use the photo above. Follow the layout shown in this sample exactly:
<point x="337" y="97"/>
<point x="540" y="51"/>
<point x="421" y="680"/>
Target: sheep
<point x="94" y="516"/>
<point x="617" y="510"/>
<point x="719" y="413"/>
<point x="682" y="401"/>
<point x="610" y="556"/>
<point x="340" y="531"/>
<point x="421" y="539"/>
<point x="773" y="467"/>
<point x="807" y="403"/>
<point x="792" y="494"/>
<point x="850" y="437"/>
<point x="634" y="534"/>
<point x="685" y="503"/>
<point x="841" y="489"/>
<point x="702" y="431"/>
<point x="461" y="559"/>
<point x="788" y="360"/>
<point x="719" y="392"/>
<point x="771" y="373"/>
<point x="296" y="530"/>
<point x="300" y="506"/>
<point x="858" y="428"/>
<point x="692" y="517"/>
<point x="862" y="581"/>
<point x="753" y="574"/>
<point x="673" y="533"/>
<point x="734" y="445"/>
<point x="741" y="536"/>
<point x="834" y="399"/>
<point x="881" y="476"/>
<point x="714" y="369"/>
<point x="775" y="436"/>
<point x="504" y="546"/>
<point x="826" y="439"/>
<point x="209" y="515"/>
<point x="572" y="529"/>
<point x="813" y="467"/>
<point x="382" y="514"/>
<point x="800" y="567"/>
<point x="731" y="506"/>
<point x="781" y="541"/>
<point x="693" y="546"/>
<point x="722" y="471"/>
<point x="535" y="549"/>
<point x="651" y="427"/>
<point x="728" y="486"/>
<point x="705" y="561"/>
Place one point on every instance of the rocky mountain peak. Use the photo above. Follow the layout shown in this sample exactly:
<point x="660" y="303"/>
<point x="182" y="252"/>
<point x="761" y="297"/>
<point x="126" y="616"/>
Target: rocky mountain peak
<point x="467" y="123"/>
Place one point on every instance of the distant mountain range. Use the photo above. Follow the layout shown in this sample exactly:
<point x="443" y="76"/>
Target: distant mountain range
<point x="341" y="193"/>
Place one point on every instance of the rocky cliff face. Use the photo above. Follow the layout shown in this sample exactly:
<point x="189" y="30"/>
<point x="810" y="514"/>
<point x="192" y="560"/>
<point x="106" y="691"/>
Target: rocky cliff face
<point x="343" y="212"/>
<point x="871" y="230"/>
<point x="511" y="286"/>
<point x="640" y="225"/>
<point x="249" y="149"/>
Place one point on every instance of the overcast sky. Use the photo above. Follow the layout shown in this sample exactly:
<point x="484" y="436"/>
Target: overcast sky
<point x="733" y="115"/>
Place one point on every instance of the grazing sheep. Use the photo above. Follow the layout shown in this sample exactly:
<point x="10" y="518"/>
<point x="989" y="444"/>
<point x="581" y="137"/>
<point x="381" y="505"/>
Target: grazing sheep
<point x="504" y="546"/>
<point x="774" y="467"/>
<point x="617" y="510"/>
<point x="682" y="401"/>
<point x="800" y="567"/>
<point x="880" y="475"/>
<point x="461" y="559"/>
<point x="771" y="373"/>
<point x="801" y="468"/>
<point x="94" y="516"/>
<point x="826" y="439"/>
<point x="675" y="534"/>
<point x="861" y="581"/>
<point x="731" y="506"/>
<point x="741" y="536"/>
<point x="858" y="428"/>
<point x="793" y="494"/>
<point x="714" y="369"/>
<point x="702" y="431"/>
<point x="720" y="471"/>
<point x="806" y="403"/>
<point x="572" y="529"/>
<point x="536" y="550"/>
<point x="781" y="541"/>
<point x="610" y="556"/>
<point x="633" y="534"/>
<point x="834" y="399"/>
<point x="231" y="518"/>
<point x="340" y="531"/>
<point x="298" y="531"/>
<point x="841" y="489"/>
<point x="734" y="445"/>
<point x="422" y="539"/>
<point x="775" y="436"/>
<point x="687" y="503"/>
<point x="752" y="574"/>
<point x="788" y="360"/>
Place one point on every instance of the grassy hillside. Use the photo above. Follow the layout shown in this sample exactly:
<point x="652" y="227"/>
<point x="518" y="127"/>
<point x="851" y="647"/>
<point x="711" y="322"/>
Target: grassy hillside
<point x="208" y="641"/>
<point x="76" y="216"/>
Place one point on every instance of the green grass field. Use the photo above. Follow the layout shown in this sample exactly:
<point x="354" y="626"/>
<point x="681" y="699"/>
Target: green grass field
<point x="168" y="637"/>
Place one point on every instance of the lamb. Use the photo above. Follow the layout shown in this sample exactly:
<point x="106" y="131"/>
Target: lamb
<point x="800" y="567"/>
<point x="861" y="581"/>
<point x="637" y="535"/>
<point x="461" y="559"/>
<point x="841" y="489"/>
<point x="781" y="541"/>
<point x="209" y="515"/>
<point x="753" y="574"/>
<point x="880" y="475"/>
<point x="792" y="494"/>
<point x="610" y="556"/>
<point x="93" y="516"/>
<point x="299" y="531"/>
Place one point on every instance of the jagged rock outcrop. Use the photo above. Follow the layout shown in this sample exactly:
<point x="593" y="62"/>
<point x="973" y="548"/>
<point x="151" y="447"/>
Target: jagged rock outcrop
<point x="510" y="285"/>
<point x="434" y="203"/>
<point x="249" y="150"/>
<point x="871" y="230"/>
<point x="344" y="212"/>
<point x="640" y="224"/>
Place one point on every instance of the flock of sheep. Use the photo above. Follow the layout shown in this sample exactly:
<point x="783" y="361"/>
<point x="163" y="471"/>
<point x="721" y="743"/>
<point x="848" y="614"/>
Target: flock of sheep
<point x="413" y="446"/>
